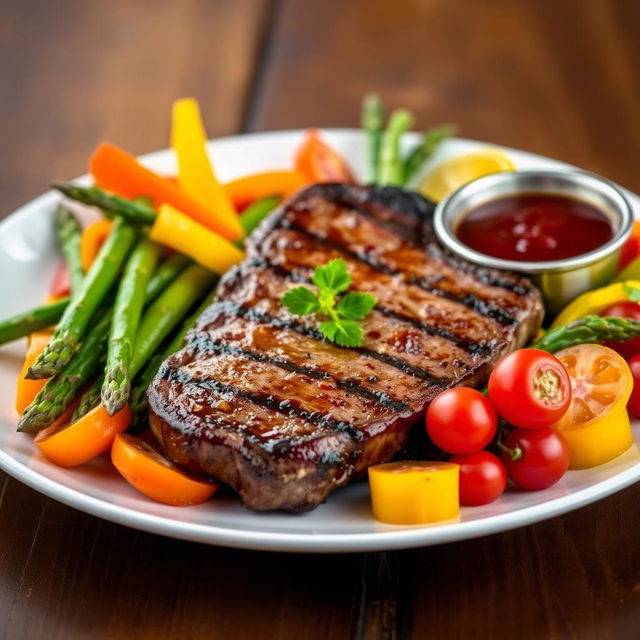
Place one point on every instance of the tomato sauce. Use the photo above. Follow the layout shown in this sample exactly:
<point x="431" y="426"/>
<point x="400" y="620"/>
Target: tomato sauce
<point x="535" y="227"/>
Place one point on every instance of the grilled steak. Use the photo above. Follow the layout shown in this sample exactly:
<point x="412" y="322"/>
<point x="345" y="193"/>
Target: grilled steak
<point x="258" y="400"/>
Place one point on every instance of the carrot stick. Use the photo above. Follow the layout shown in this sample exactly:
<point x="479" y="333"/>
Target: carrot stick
<point x="258" y="185"/>
<point x="116" y="170"/>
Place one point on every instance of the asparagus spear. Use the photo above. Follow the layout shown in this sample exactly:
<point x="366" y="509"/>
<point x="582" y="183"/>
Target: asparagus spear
<point x="126" y="317"/>
<point x="69" y="232"/>
<point x="166" y="312"/>
<point x="157" y="323"/>
<point x="59" y="392"/>
<point x="256" y="212"/>
<point x="168" y="271"/>
<point x="84" y="304"/>
<point x="47" y="315"/>
<point x="133" y="211"/>
<point x="164" y="275"/>
<point x="391" y="168"/>
<point x="25" y="323"/>
<point x="138" y="399"/>
<point x="372" y="123"/>
<point x="425" y="149"/>
<point x="89" y="399"/>
<point x="589" y="329"/>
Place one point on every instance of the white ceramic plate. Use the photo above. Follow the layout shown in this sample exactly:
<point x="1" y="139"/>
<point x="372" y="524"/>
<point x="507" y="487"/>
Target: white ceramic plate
<point x="27" y="256"/>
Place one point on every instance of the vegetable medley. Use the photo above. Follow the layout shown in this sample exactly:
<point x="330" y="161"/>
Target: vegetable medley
<point x="134" y="281"/>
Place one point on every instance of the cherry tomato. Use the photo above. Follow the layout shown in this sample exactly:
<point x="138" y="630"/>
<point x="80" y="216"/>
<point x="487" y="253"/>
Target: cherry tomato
<point x="483" y="478"/>
<point x="631" y="248"/>
<point x="530" y="388"/>
<point x="461" y="420"/>
<point x="61" y="284"/>
<point x="625" y="309"/>
<point x="634" y="400"/>
<point x="543" y="461"/>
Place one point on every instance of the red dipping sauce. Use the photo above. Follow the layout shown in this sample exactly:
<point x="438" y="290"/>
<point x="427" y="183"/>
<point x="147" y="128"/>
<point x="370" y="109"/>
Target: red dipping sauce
<point x="535" y="227"/>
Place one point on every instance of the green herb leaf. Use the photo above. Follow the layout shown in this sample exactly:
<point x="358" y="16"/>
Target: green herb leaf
<point x="633" y="293"/>
<point x="333" y="276"/>
<point x="355" y="305"/>
<point x="301" y="301"/>
<point x="346" y="333"/>
<point x="341" y="322"/>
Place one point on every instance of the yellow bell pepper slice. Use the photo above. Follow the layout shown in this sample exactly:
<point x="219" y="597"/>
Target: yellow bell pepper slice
<point x="173" y="229"/>
<point x="593" y="302"/>
<point x="596" y="425"/>
<point x="414" y="492"/>
<point x="195" y="172"/>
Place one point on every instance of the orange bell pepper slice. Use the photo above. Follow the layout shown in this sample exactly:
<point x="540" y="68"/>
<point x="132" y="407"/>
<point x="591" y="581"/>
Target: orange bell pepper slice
<point x="92" y="239"/>
<point x="116" y="170"/>
<point x="27" y="390"/>
<point x="245" y="190"/>
<point x="69" y="445"/>
<point x="154" y="476"/>
<point x="319" y="162"/>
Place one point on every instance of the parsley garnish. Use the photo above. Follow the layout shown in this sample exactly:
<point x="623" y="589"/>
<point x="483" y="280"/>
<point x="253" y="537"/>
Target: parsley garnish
<point x="342" y="327"/>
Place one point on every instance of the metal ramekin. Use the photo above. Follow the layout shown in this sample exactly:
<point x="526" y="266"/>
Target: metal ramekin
<point x="560" y="281"/>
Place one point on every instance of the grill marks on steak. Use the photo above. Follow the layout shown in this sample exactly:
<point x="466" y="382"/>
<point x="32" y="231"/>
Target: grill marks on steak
<point x="257" y="399"/>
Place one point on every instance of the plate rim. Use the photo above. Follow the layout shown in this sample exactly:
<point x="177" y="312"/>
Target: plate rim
<point x="406" y="537"/>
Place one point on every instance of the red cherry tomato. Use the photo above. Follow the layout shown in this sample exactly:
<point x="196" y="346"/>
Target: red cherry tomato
<point x="483" y="478"/>
<point x="631" y="248"/>
<point x="624" y="310"/>
<point x="61" y="284"/>
<point x="461" y="420"/>
<point x="543" y="461"/>
<point x="634" y="400"/>
<point x="530" y="388"/>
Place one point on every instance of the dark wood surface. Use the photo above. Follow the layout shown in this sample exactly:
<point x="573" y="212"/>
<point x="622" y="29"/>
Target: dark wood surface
<point x="557" y="78"/>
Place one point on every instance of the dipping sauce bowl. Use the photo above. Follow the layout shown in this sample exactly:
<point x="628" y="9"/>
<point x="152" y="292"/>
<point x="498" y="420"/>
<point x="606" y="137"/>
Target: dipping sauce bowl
<point x="560" y="281"/>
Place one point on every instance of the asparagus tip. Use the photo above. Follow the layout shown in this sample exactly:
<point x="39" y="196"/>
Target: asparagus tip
<point x="116" y="389"/>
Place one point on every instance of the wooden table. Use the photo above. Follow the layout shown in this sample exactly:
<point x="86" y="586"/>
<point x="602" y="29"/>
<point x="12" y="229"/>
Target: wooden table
<point x="556" y="78"/>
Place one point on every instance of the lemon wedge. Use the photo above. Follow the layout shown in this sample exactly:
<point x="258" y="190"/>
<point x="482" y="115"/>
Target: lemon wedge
<point x="456" y="172"/>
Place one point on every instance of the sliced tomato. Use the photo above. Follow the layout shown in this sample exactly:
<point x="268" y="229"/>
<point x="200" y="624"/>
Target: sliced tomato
<point x="154" y="476"/>
<point x="70" y="445"/>
<point x="319" y="162"/>
<point x="596" y="426"/>
<point x="61" y="283"/>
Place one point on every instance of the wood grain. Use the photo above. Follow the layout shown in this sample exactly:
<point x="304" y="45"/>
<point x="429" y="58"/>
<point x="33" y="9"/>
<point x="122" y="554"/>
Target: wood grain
<point x="554" y="78"/>
<point x="78" y="72"/>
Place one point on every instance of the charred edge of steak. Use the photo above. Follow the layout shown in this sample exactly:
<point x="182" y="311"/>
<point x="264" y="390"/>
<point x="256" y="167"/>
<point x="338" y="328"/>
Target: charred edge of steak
<point x="259" y="481"/>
